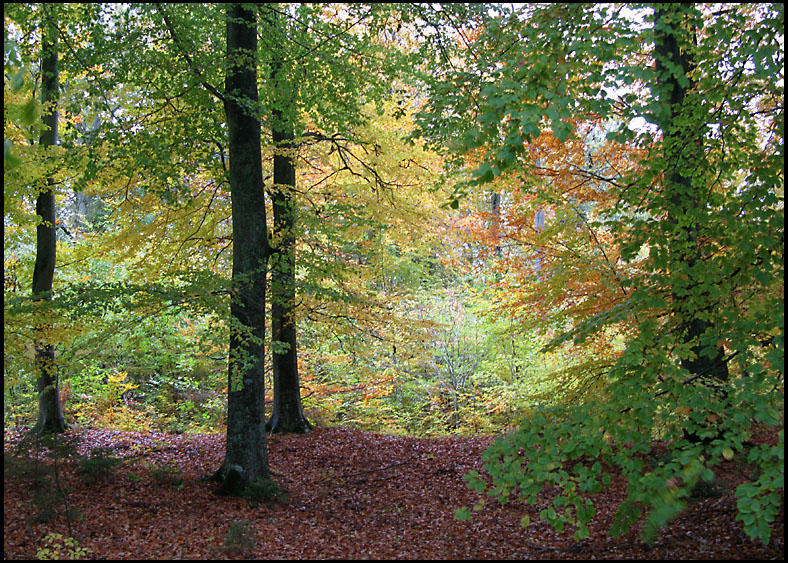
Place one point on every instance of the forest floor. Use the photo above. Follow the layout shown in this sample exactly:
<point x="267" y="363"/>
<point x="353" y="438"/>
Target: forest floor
<point x="352" y="495"/>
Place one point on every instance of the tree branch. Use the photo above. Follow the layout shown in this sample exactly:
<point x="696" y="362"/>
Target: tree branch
<point x="186" y="56"/>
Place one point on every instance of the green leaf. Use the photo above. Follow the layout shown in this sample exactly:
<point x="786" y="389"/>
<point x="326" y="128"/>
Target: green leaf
<point x="462" y="514"/>
<point x="30" y="112"/>
<point x="18" y="80"/>
<point x="10" y="160"/>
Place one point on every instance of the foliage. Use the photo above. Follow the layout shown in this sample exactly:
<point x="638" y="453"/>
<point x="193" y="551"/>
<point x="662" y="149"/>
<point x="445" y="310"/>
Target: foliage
<point x="56" y="546"/>
<point x="169" y="475"/>
<point x="264" y="490"/>
<point x="578" y="225"/>
<point x="697" y="291"/>
<point x="98" y="465"/>
<point x="38" y="461"/>
<point x="758" y="502"/>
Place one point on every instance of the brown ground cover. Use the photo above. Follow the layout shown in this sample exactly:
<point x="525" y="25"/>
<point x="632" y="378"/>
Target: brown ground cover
<point x="351" y="495"/>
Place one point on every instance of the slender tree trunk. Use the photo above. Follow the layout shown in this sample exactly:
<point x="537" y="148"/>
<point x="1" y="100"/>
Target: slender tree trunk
<point x="246" y="457"/>
<point x="50" y="411"/>
<point x="495" y="212"/>
<point x="288" y="414"/>
<point x="684" y="148"/>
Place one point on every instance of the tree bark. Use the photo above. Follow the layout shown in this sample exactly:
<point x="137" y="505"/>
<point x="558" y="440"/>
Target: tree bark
<point x="683" y="146"/>
<point x="246" y="456"/>
<point x="288" y="414"/>
<point x="50" y="410"/>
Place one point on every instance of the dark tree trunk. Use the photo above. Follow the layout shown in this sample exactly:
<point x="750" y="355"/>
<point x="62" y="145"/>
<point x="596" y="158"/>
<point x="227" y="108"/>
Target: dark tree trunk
<point x="495" y="212"/>
<point x="246" y="457"/>
<point x="50" y="411"/>
<point x="288" y="414"/>
<point x="684" y="148"/>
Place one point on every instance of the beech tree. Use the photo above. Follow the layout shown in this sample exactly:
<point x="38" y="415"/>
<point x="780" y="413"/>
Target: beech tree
<point x="635" y="158"/>
<point x="50" y="412"/>
<point x="703" y="200"/>
<point x="287" y="414"/>
<point x="675" y="29"/>
<point x="311" y="52"/>
<point x="246" y="458"/>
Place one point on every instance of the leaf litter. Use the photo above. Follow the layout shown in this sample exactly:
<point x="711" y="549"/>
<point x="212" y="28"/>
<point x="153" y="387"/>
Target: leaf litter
<point x="351" y="494"/>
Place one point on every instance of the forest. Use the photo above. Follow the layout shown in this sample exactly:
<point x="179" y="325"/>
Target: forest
<point x="393" y="281"/>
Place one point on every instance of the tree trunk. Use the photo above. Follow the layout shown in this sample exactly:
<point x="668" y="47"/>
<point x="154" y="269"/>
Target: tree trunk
<point x="50" y="411"/>
<point x="495" y="212"/>
<point x="684" y="147"/>
<point x="246" y="456"/>
<point x="288" y="414"/>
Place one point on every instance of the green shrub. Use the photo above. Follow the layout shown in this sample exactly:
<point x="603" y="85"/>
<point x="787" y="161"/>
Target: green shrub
<point x="49" y="498"/>
<point x="57" y="546"/>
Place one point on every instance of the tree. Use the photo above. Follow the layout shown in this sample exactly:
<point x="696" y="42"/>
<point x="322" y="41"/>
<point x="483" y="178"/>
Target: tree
<point x="703" y="205"/>
<point x="303" y="42"/>
<point x="453" y="356"/>
<point x="246" y="458"/>
<point x="674" y="32"/>
<point x="287" y="414"/>
<point x="50" y="411"/>
<point x="550" y="261"/>
<point x="38" y="172"/>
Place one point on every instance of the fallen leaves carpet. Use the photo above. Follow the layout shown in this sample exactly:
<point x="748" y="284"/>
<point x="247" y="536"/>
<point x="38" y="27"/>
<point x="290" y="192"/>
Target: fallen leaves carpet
<point x="352" y="495"/>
